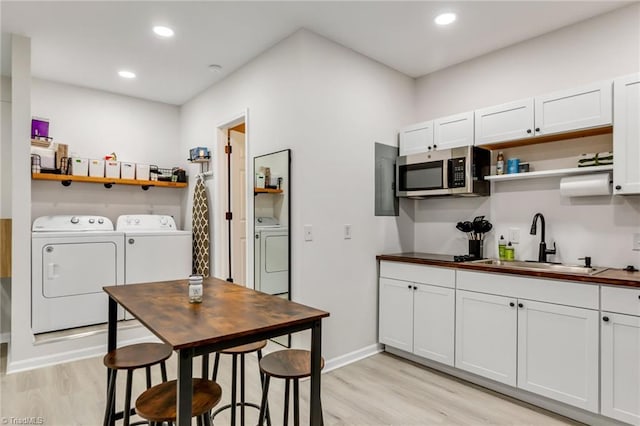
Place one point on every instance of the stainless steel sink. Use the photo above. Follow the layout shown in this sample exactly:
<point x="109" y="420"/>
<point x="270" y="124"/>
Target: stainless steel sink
<point x="541" y="266"/>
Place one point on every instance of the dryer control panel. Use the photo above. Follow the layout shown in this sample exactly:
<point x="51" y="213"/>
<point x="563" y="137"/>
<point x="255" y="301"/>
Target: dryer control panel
<point x="145" y="222"/>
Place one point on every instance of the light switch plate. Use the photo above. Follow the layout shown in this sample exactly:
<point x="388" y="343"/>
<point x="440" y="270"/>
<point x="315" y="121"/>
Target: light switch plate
<point x="636" y="241"/>
<point x="514" y="235"/>
<point x="308" y="233"/>
<point x="347" y="232"/>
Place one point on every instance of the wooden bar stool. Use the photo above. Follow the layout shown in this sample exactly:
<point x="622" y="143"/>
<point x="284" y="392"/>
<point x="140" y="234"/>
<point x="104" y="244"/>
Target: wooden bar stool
<point x="130" y="358"/>
<point x="289" y="364"/>
<point x="235" y="352"/>
<point x="158" y="404"/>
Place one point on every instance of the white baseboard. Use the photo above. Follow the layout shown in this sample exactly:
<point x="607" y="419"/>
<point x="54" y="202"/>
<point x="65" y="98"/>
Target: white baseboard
<point x="351" y="357"/>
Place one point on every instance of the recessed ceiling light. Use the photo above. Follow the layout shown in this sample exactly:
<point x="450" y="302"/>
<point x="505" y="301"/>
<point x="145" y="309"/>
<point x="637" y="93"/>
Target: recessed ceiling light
<point x="215" y="68"/>
<point x="126" y="74"/>
<point x="445" y="18"/>
<point x="163" y="31"/>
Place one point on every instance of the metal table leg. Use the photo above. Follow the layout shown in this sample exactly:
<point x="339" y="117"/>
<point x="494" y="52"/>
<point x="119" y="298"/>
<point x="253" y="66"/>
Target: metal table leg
<point x="316" y="351"/>
<point x="185" y="387"/>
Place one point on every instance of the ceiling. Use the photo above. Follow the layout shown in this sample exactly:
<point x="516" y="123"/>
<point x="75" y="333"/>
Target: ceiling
<point x="86" y="43"/>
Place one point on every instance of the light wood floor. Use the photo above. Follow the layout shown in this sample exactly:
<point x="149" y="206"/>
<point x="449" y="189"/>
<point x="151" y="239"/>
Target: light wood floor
<point x="380" y="390"/>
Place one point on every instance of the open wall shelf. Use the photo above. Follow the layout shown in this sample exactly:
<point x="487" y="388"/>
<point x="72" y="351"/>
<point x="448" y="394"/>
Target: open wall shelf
<point x="107" y="182"/>
<point x="550" y="173"/>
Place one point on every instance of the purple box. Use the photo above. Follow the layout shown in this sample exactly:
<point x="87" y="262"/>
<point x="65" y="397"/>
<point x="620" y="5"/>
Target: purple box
<point x="39" y="127"/>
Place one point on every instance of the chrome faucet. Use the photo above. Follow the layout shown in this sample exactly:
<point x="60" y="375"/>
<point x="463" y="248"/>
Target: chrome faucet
<point x="543" y="251"/>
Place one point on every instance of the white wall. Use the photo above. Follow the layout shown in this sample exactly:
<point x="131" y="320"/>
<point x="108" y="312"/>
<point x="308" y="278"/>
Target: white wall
<point x="600" y="227"/>
<point x="328" y="105"/>
<point x="95" y="123"/>
<point x="5" y="198"/>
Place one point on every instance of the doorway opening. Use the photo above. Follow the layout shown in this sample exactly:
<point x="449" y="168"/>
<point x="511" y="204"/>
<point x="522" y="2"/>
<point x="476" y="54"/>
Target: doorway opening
<point x="232" y="243"/>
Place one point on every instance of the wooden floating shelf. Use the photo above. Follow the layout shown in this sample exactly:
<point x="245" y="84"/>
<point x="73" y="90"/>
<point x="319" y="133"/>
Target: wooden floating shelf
<point x="550" y="138"/>
<point x="550" y="173"/>
<point x="145" y="184"/>
<point x="266" y="191"/>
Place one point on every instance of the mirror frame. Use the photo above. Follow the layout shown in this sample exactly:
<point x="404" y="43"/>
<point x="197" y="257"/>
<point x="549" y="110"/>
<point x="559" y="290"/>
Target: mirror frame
<point x="286" y="189"/>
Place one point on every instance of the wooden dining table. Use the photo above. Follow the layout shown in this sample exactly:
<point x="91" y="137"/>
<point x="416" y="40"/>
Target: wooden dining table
<point x="229" y="315"/>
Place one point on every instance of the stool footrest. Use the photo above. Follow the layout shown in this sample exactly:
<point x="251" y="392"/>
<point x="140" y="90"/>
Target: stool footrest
<point x="238" y="404"/>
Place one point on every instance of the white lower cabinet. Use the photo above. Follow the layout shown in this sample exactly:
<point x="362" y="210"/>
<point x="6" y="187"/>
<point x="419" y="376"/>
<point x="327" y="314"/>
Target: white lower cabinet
<point x="620" y="365"/>
<point x="396" y="314"/>
<point x="415" y="316"/>
<point x="433" y="319"/>
<point x="558" y="352"/>
<point x="486" y="335"/>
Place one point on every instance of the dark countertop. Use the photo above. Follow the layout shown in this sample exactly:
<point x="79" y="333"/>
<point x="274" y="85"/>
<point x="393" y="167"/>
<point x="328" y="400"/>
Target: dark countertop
<point x="611" y="276"/>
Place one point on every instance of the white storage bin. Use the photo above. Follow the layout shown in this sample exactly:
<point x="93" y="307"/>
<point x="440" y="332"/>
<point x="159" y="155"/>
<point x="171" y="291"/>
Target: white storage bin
<point x="96" y="168"/>
<point x="80" y="166"/>
<point x="142" y="172"/>
<point x="127" y="170"/>
<point x="112" y="169"/>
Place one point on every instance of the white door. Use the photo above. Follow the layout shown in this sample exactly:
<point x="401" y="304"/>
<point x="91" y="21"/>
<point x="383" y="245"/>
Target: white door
<point x="575" y="109"/>
<point x="238" y="208"/>
<point x="416" y="138"/>
<point x="626" y="134"/>
<point x="396" y="314"/>
<point x="453" y="131"/>
<point x="620" y="364"/>
<point x="486" y="337"/>
<point x="558" y="353"/>
<point x="506" y="122"/>
<point x="433" y="323"/>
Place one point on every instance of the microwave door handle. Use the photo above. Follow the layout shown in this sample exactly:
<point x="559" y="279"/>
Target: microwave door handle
<point x="445" y="174"/>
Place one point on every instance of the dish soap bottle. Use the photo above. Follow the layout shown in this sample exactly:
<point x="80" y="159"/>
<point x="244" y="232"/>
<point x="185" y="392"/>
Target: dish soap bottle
<point x="509" y="252"/>
<point x="500" y="164"/>
<point x="502" y="245"/>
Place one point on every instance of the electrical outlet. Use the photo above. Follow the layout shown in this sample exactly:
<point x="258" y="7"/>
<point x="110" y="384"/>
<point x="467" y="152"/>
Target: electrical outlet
<point x="347" y="232"/>
<point x="514" y="235"/>
<point x="636" y="241"/>
<point x="308" y="233"/>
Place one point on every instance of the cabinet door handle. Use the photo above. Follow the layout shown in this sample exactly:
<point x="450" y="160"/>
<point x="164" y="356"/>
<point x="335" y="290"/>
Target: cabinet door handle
<point x="537" y="129"/>
<point x="618" y="187"/>
<point x="528" y="130"/>
<point x="415" y="288"/>
<point x="435" y="146"/>
<point x="520" y="305"/>
<point x="512" y="304"/>
<point x="409" y="286"/>
<point x="605" y="319"/>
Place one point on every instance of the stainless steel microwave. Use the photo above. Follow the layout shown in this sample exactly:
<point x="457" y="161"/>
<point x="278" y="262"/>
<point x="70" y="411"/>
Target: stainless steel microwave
<point x="455" y="171"/>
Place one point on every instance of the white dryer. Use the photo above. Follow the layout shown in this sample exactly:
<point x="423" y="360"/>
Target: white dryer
<point x="271" y="256"/>
<point x="72" y="258"/>
<point x="155" y="250"/>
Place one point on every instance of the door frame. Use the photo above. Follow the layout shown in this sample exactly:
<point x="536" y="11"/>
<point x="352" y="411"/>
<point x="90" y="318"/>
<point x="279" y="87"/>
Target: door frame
<point x="220" y="239"/>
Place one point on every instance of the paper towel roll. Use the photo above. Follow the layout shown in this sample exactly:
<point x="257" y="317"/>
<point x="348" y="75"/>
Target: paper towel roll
<point x="585" y="185"/>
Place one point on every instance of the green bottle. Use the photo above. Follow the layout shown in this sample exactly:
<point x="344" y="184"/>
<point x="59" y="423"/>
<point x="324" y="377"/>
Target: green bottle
<point x="510" y="252"/>
<point x="502" y="245"/>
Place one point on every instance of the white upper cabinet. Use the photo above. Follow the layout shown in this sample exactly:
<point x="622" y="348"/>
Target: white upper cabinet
<point x="505" y="122"/>
<point x="416" y="138"/>
<point x="626" y="135"/>
<point x="567" y="110"/>
<point x="453" y="131"/>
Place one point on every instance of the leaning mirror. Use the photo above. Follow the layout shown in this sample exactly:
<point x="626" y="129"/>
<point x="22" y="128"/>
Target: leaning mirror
<point x="272" y="201"/>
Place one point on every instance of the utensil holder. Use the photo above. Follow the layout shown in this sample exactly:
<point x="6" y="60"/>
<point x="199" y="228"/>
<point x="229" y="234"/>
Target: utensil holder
<point x="476" y="248"/>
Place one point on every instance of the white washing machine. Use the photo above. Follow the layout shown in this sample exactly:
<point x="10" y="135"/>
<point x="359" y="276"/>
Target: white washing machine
<point x="155" y="250"/>
<point x="72" y="258"/>
<point x="271" y="256"/>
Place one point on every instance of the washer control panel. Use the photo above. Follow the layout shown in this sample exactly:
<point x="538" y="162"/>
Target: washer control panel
<point x="72" y="223"/>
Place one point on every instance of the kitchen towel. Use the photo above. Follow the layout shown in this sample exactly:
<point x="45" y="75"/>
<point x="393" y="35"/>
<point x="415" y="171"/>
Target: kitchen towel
<point x="585" y="185"/>
<point x="200" y="229"/>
